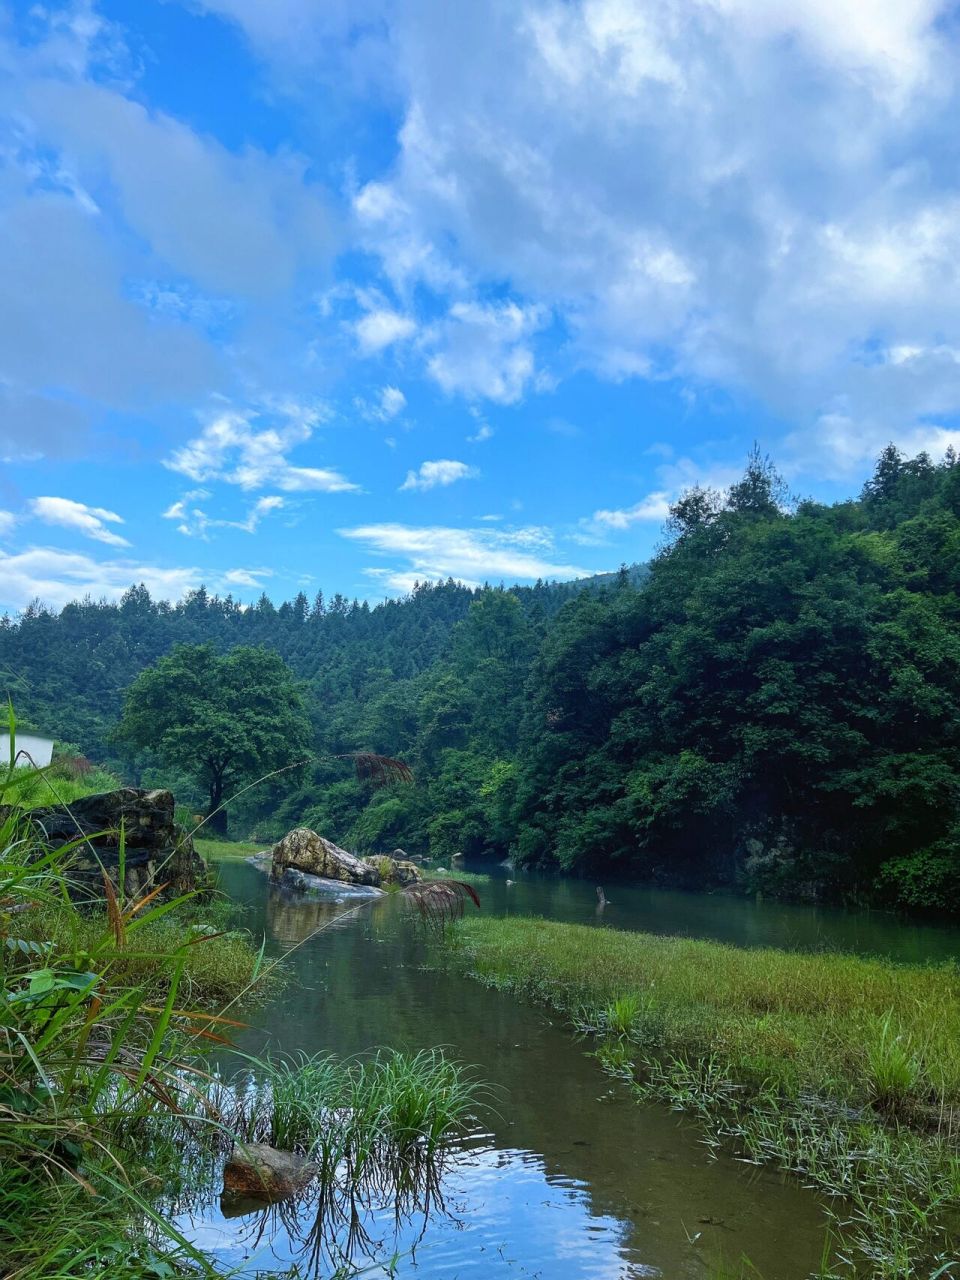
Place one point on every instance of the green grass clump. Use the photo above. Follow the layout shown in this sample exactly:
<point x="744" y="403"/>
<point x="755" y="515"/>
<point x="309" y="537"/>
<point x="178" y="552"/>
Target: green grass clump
<point x="61" y="783"/>
<point x="103" y="1013"/>
<point x="390" y="1102"/>
<point x="841" y="1069"/>
<point x="215" y="965"/>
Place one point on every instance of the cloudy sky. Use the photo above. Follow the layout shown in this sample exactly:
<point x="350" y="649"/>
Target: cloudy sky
<point x="349" y="293"/>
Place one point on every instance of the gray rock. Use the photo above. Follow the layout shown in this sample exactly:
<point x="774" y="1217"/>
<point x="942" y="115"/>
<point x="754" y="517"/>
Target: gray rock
<point x="156" y="849"/>
<point x="255" y="1170"/>
<point x="304" y="850"/>
<point x="301" y="882"/>
<point x="393" y="871"/>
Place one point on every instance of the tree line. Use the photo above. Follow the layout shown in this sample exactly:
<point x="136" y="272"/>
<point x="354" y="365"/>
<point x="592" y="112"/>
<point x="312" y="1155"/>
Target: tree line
<point x="773" y="703"/>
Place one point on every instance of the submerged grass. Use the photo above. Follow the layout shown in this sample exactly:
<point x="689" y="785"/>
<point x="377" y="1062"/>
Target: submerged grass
<point x="842" y="1069"/>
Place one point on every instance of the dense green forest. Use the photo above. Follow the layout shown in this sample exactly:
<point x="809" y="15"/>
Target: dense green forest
<point x="773" y="703"/>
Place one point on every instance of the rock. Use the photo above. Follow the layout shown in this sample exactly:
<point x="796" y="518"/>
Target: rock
<point x="304" y="850"/>
<point x="301" y="882"/>
<point x="399" y="855"/>
<point x="264" y="1173"/>
<point x="393" y="871"/>
<point x="156" y="849"/>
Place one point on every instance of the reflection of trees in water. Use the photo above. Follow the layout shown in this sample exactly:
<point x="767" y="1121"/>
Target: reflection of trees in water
<point x="365" y="1165"/>
<point x="338" y="1226"/>
<point x="292" y="919"/>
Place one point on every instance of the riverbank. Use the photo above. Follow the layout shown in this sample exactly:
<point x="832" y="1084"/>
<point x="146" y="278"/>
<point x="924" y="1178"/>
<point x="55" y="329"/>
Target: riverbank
<point x="840" y="1068"/>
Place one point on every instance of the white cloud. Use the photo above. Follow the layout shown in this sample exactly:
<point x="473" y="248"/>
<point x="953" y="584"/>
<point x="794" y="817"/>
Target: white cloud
<point x="438" y="474"/>
<point x="484" y="431"/>
<point x="392" y="402"/>
<point x="56" y="577"/>
<point x="89" y="521"/>
<point x="243" y="222"/>
<point x="247" y="577"/>
<point x="655" y="506"/>
<point x="734" y="192"/>
<point x="485" y="351"/>
<point x="387" y="405"/>
<point x="469" y="555"/>
<point x="231" y="448"/>
<point x="195" y="522"/>
<point x="7" y="522"/>
<point x="382" y="328"/>
<point x="839" y="446"/>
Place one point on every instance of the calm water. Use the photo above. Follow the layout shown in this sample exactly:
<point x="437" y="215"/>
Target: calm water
<point x="564" y="1178"/>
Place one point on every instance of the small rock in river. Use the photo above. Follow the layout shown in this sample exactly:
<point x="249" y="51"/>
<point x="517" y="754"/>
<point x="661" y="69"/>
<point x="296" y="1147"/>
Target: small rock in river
<point x="257" y="1170"/>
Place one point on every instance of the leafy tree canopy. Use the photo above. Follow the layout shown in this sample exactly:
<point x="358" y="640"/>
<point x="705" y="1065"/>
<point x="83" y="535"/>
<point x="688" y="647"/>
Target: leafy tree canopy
<point x="225" y="719"/>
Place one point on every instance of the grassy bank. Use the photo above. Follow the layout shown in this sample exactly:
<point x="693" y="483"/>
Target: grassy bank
<point x="839" y="1068"/>
<point x="226" y="850"/>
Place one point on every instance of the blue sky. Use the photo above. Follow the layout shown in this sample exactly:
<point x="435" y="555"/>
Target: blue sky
<point x="343" y="294"/>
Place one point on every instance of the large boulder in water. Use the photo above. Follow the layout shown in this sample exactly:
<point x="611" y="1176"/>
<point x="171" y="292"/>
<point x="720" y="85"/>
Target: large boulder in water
<point x="156" y="849"/>
<point x="304" y="850"/>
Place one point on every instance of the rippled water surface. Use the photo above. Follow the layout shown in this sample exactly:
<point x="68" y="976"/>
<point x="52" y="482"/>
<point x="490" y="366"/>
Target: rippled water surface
<point x="563" y="1177"/>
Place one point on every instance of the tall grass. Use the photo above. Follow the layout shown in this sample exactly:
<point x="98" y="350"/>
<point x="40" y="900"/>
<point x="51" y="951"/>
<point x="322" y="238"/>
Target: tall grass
<point x="94" y="1007"/>
<point x="842" y="1070"/>
<point x="107" y="1110"/>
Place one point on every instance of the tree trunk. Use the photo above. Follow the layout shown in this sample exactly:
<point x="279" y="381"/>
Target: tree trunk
<point x="217" y="816"/>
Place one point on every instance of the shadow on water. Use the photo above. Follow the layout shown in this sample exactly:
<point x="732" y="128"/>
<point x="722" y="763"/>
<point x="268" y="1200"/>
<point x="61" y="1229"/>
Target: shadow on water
<point x="564" y="1177"/>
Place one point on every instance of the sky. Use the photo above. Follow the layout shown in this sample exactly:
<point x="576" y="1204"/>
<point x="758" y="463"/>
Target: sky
<point x="349" y="294"/>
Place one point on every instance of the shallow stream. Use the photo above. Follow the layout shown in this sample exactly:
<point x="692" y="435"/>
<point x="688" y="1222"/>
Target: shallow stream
<point x="564" y="1177"/>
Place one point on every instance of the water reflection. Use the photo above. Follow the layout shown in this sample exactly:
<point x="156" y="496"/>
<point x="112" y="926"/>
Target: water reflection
<point x="569" y="1179"/>
<point x="493" y="1212"/>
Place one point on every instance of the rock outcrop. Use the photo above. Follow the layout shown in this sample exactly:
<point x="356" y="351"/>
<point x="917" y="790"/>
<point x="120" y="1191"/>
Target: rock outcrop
<point x="156" y="849"/>
<point x="302" y="856"/>
<point x="257" y="1171"/>
<point x="392" y="870"/>
<point x="303" y="850"/>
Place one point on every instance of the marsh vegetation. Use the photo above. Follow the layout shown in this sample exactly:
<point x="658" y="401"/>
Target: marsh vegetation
<point x="838" y="1068"/>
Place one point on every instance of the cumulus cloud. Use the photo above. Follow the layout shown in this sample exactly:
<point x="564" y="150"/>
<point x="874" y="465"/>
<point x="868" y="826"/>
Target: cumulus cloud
<point x="56" y="577"/>
<point x="234" y="448"/>
<point x="655" y="506"/>
<point x="121" y="228"/>
<point x="240" y="223"/>
<point x="472" y="556"/>
<point x="727" y="191"/>
<point x="485" y="351"/>
<point x="390" y="402"/>
<point x="438" y="474"/>
<point x="381" y="328"/>
<point x="91" y="522"/>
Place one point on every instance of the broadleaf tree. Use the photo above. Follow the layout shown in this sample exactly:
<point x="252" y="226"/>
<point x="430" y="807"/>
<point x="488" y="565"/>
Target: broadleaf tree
<point x="224" y="719"/>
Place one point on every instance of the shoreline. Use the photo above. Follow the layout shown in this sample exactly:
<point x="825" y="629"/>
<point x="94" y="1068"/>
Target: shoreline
<point x="838" y="1069"/>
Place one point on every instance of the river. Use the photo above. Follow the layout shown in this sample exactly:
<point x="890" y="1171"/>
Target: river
<point x="563" y="1177"/>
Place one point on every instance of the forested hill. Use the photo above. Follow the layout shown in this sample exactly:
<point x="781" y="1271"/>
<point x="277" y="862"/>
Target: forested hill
<point x="66" y="672"/>
<point x="775" y="705"/>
